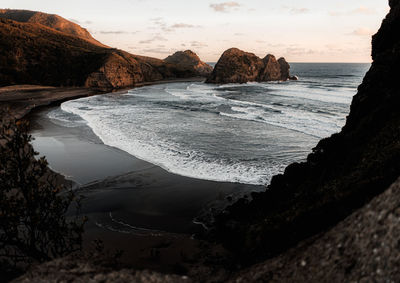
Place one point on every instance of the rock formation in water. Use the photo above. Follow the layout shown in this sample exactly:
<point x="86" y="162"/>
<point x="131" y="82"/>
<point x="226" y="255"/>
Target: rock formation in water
<point x="237" y="66"/>
<point x="342" y="173"/>
<point x="37" y="48"/>
<point x="189" y="60"/>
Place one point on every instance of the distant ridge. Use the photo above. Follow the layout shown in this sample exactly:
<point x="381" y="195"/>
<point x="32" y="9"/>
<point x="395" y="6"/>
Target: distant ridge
<point x="49" y="20"/>
<point x="43" y="49"/>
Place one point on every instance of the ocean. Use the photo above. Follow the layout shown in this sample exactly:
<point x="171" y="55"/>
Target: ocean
<point x="243" y="133"/>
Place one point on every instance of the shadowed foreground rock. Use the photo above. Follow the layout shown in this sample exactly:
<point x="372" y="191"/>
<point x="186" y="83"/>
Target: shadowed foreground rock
<point x="237" y="66"/>
<point x="71" y="270"/>
<point x="362" y="248"/>
<point x="342" y="173"/>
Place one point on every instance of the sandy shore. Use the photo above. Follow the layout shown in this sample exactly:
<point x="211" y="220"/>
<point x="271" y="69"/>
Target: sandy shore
<point x="132" y="205"/>
<point x="19" y="100"/>
<point x="136" y="192"/>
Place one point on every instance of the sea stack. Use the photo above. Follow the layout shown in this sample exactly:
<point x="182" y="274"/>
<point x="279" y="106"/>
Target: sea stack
<point x="237" y="66"/>
<point x="189" y="60"/>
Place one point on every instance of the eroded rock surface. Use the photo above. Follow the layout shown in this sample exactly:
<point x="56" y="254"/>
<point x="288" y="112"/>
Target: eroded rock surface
<point x="189" y="60"/>
<point x="237" y="66"/>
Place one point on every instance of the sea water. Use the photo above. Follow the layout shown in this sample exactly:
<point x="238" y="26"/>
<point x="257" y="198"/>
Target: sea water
<point x="242" y="133"/>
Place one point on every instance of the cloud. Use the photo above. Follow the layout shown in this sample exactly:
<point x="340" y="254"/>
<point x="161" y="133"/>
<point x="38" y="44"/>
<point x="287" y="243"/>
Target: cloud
<point x="198" y="44"/>
<point x="166" y="28"/>
<point x="183" y="25"/>
<point x="362" y="10"/>
<point x="300" y="51"/>
<point x="157" y="37"/>
<point x="335" y="13"/>
<point x="156" y="50"/>
<point x="296" y="10"/>
<point x="112" y="32"/>
<point x="80" y="23"/>
<point x="225" y="6"/>
<point x="362" y="32"/>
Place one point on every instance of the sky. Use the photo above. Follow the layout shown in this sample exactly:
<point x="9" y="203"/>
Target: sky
<point x="299" y="30"/>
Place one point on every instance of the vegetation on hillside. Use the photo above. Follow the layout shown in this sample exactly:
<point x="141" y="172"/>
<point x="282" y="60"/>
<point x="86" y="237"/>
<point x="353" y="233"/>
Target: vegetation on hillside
<point x="34" y="226"/>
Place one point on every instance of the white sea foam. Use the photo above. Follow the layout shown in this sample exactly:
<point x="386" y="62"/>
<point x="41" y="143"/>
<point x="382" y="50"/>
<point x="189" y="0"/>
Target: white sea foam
<point x="110" y="126"/>
<point x="221" y="133"/>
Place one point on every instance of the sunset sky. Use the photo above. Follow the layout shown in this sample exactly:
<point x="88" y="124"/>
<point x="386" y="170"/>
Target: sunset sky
<point x="300" y="30"/>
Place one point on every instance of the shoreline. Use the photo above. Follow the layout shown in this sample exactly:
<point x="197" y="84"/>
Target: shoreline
<point x="20" y="100"/>
<point x="79" y="155"/>
<point x="144" y="211"/>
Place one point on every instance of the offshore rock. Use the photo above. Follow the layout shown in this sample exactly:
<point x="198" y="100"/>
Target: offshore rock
<point x="237" y="66"/>
<point x="189" y="60"/>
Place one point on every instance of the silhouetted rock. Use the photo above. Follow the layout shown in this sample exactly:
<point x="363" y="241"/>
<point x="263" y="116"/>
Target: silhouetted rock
<point x="237" y="66"/>
<point x="362" y="248"/>
<point x="343" y="172"/>
<point x="72" y="269"/>
<point x="189" y="60"/>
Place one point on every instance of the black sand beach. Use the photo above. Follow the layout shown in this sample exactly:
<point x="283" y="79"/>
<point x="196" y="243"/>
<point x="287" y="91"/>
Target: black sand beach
<point x="127" y="198"/>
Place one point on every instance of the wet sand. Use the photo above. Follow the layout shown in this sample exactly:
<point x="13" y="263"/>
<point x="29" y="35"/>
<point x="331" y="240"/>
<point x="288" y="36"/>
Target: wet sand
<point x="134" y="191"/>
<point x="131" y="204"/>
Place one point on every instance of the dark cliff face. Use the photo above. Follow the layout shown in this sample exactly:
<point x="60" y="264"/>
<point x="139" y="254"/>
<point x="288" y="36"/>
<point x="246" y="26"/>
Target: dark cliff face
<point x="237" y="66"/>
<point x="342" y="173"/>
<point x="191" y="62"/>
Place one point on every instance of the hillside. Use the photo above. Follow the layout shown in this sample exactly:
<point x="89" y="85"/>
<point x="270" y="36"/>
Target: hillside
<point x="32" y="53"/>
<point x="52" y="21"/>
<point x="35" y="54"/>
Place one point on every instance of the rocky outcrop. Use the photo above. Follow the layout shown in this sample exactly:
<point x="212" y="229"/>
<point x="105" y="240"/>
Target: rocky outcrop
<point x="49" y="20"/>
<point x="189" y="60"/>
<point x="48" y="50"/>
<point x="343" y="172"/>
<point x="362" y="248"/>
<point x="237" y="66"/>
<point x="75" y="270"/>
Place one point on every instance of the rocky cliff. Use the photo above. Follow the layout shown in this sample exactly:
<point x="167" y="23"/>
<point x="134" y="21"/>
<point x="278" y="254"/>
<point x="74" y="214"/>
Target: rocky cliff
<point x="36" y="54"/>
<point x="342" y="173"/>
<point x="37" y="48"/>
<point x="237" y="66"/>
<point x="189" y="60"/>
